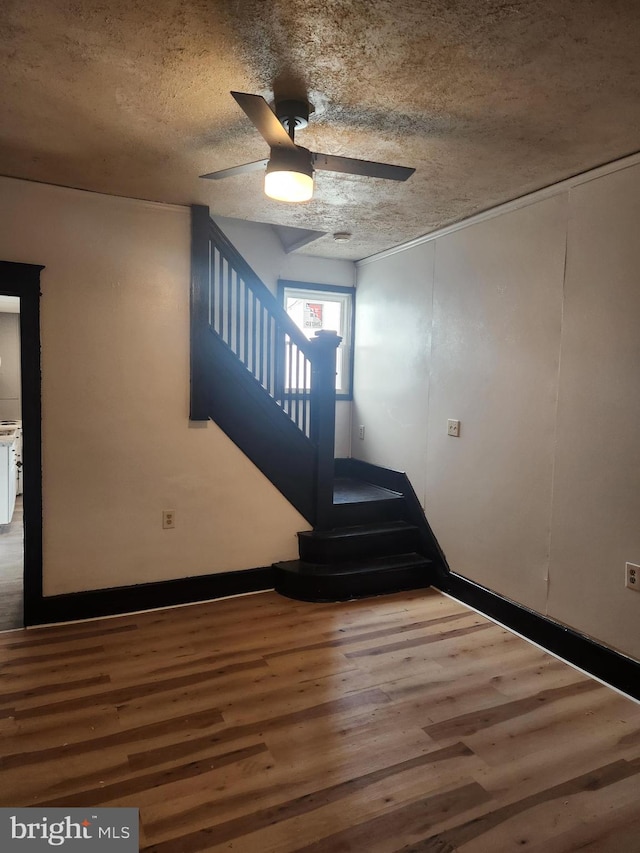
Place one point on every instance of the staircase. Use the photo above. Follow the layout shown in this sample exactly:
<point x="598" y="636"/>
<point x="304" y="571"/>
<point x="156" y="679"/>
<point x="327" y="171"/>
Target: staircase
<point x="381" y="541"/>
<point x="272" y="391"/>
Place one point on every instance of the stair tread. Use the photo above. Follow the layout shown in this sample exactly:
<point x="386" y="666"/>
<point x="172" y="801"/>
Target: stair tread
<point x="366" y="565"/>
<point x="356" y="530"/>
<point x="347" y="490"/>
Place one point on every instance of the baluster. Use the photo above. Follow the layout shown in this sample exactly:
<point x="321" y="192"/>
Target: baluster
<point x="253" y="333"/>
<point x="263" y="326"/>
<point x="258" y="331"/>
<point x="219" y="280"/>
<point x="212" y="261"/>
<point x="295" y="389"/>
<point x="245" y="331"/>
<point x="237" y="349"/>
<point x="289" y="385"/>
<point x="229" y="302"/>
<point x="304" y="399"/>
<point x="270" y="322"/>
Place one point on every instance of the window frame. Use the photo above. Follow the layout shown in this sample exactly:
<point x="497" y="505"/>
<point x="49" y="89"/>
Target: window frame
<point x="315" y="288"/>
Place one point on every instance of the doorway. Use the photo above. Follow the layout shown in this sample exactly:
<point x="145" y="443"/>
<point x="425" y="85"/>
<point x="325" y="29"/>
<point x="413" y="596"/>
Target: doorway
<point x="20" y="441"/>
<point x="11" y="512"/>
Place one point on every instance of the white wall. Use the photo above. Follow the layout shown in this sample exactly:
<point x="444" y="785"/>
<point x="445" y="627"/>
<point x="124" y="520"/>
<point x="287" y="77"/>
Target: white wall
<point x="596" y="506"/>
<point x="392" y="356"/>
<point x="117" y="444"/>
<point x="261" y="248"/>
<point x="539" y="498"/>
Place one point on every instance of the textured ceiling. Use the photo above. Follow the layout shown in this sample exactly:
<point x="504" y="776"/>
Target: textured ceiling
<point x="487" y="99"/>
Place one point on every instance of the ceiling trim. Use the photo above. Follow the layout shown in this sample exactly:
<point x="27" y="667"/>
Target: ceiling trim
<point x="507" y="207"/>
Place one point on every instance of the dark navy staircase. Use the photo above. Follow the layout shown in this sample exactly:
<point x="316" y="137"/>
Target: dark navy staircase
<point x="380" y="541"/>
<point x="272" y="391"/>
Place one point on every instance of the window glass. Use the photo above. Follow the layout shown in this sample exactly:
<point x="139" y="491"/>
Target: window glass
<point x="324" y="310"/>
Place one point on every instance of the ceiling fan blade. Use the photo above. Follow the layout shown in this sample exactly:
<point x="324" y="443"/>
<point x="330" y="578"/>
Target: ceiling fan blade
<point x="268" y="124"/>
<point x="369" y="168"/>
<point x="237" y="170"/>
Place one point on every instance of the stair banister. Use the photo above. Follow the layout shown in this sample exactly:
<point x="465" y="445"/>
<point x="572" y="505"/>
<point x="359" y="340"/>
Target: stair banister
<point x="255" y="373"/>
<point x="323" y="420"/>
<point x="255" y="284"/>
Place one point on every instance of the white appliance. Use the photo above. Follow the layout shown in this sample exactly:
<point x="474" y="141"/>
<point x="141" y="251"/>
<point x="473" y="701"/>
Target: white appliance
<point x="7" y="474"/>
<point x="17" y="427"/>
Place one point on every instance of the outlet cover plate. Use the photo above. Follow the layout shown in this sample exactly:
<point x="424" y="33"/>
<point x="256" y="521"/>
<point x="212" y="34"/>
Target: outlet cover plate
<point x="632" y="576"/>
<point x="453" y="428"/>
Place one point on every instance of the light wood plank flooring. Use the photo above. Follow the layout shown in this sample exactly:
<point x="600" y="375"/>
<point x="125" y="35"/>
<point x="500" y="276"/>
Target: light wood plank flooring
<point x="256" y="724"/>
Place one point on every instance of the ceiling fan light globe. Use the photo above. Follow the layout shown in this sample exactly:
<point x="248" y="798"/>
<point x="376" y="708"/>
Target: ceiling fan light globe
<point x="290" y="186"/>
<point x="289" y="175"/>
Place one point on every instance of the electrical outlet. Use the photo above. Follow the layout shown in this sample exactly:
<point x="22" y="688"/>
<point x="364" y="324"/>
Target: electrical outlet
<point x="632" y="576"/>
<point x="168" y="519"/>
<point x="361" y="431"/>
<point x="453" y="428"/>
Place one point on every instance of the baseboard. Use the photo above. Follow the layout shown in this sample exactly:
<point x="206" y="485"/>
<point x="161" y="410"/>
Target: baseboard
<point x="609" y="666"/>
<point x="147" y="596"/>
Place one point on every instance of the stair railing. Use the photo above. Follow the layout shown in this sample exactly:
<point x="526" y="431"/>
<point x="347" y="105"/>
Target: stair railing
<point x="229" y="300"/>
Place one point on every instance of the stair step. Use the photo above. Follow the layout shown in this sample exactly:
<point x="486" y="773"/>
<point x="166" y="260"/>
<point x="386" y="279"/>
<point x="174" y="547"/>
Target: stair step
<point x="368" y="512"/>
<point x="358" y="541"/>
<point x="350" y="490"/>
<point x="307" y="581"/>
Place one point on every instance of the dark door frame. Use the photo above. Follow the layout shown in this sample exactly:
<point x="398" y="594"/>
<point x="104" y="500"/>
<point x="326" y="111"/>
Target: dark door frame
<point x="23" y="280"/>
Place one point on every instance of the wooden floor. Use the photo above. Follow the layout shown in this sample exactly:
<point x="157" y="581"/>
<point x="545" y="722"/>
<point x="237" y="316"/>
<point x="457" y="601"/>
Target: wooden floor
<point x="255" y="724"/>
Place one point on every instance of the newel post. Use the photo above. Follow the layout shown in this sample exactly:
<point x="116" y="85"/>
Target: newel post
<point x="323" y="420"/>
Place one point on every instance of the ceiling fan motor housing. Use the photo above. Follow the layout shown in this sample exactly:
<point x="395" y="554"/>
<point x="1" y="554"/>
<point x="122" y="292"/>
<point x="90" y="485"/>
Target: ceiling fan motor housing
<point x="293" y="114"/>
<point x="292" y="159"/>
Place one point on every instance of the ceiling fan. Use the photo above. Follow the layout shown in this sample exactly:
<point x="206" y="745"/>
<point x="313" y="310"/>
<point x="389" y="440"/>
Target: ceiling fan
<point x="290" y="167"/>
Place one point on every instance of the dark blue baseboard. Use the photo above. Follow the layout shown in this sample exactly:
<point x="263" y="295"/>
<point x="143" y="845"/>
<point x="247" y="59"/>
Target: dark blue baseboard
<point x="604" y="663"/>
<point x="147" y="596"/>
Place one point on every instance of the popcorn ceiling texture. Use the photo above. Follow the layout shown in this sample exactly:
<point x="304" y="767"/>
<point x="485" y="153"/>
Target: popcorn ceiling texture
<point x="487" y="99"/>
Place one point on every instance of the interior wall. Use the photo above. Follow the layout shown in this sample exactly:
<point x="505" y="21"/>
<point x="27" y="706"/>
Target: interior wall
<point x="538" y="499"/>
<point x="261" y="248"/>
<point x="494" y="366"/>
<point x="596" y="506"/>
<point x="391" y="368"/>
<point x="10" y="385"/>
<point x="118" y="448"/>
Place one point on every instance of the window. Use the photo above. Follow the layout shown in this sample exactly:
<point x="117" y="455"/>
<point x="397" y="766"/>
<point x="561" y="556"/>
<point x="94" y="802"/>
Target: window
<point x="314" y="307"/>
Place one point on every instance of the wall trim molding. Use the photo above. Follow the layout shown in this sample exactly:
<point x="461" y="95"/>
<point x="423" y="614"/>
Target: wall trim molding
<point x="509" y="206"/>
<point x="23" y="280"/>
<point x="605" y="664"/>
<point x="144" y="202"/>
<point x="96" y="603"/>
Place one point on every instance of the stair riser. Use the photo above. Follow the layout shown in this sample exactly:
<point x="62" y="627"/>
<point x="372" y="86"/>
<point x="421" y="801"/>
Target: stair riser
<point x="345" y="587"/>
<point x="320" y="550"/>
<point x="369" y="512"/>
